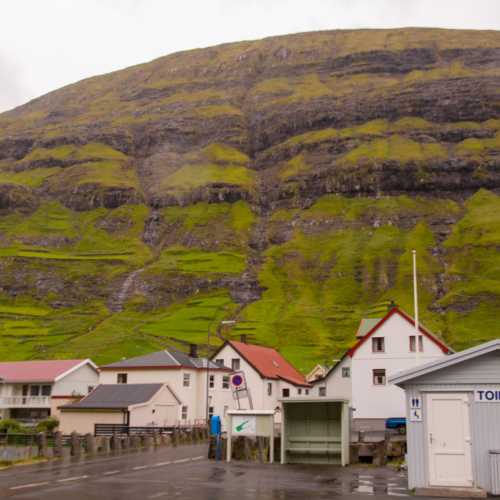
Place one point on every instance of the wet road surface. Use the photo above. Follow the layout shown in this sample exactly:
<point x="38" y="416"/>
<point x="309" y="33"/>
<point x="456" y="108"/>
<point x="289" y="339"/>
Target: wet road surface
<point x="185" y="473"/>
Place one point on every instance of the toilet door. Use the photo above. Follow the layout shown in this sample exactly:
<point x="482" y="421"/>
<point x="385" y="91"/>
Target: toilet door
<point x="448" y="439"/>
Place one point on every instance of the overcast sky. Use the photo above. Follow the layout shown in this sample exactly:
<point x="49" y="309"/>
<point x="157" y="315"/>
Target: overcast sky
<point x="45" y="44"/>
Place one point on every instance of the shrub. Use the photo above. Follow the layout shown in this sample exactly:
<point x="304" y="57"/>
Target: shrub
<point x="50" y="424"/>
<point x="11" y="426"/>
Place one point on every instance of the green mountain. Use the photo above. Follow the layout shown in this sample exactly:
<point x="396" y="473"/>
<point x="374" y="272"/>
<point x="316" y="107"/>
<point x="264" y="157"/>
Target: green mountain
<point x="281" y="183"/>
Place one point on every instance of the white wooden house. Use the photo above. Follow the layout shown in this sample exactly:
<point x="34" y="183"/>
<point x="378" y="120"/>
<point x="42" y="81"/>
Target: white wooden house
<point x="269" y="376"/>
<point x="33" y="390"/>
<point x="384" y="347"/>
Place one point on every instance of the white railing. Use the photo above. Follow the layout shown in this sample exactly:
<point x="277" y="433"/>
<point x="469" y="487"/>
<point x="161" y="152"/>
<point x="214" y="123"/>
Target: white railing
<point x="24" y="401"/>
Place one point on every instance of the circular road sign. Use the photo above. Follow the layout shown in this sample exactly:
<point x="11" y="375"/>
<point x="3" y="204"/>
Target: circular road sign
<point x="237" y="380"/>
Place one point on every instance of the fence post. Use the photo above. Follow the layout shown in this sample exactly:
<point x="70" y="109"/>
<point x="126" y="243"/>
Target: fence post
<point x="42" y="444"/>
<point x="147" y="441"/>
<point x="116" y="444"/>
<point x="90" y="444"/>
<point x="58" y="444"/>
<point x="175" y="438"/>
<point x="106" y="445"/>
<point x="76" y="445"/>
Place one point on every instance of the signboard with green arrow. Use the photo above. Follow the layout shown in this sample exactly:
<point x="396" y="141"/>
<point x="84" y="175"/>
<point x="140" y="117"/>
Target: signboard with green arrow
<point x="244" y="425"/>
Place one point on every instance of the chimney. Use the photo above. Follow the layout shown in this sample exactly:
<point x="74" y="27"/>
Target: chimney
<point x="243" y="338"/>
<point x="193" y="351"/>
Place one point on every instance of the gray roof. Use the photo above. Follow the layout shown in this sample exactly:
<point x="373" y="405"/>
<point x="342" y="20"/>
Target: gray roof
<point x="119" y="396"/>
<point x="163" y="359"/>
<point x="404" y="376"/>
<point x="365" y="325"/>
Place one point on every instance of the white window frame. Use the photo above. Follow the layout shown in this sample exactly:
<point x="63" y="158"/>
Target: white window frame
<point x="184" y="412"/>
<point x="420" y="343"/>
<point x="376" y="342"/>
<point x="186" y="380"/>
<point x="379" y="378"/>
<point x="237" y="362"/>
<point x="226" y="382"/>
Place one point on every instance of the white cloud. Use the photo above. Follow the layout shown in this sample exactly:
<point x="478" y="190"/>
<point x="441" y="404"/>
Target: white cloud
<point x="45" y="45"/>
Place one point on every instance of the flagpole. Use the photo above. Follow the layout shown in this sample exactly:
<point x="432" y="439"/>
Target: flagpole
<point x="415" y="305"/>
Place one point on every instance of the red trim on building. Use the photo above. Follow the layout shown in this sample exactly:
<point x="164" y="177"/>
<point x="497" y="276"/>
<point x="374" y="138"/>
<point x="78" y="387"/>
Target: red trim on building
<point x="390" y="314"/>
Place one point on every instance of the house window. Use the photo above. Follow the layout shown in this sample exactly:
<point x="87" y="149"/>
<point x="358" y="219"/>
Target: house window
<point x="269" y="388"/>
<point x="34" y="390"/>
<point x="378" y="344"/>
<point x="322" y="391"/>
<point x="46" y="390"/>
<point x="121" y="378"/>
<point x="307" y="392"/>
<point x="225" y="382"/>
<point x="285" y="393"/>
<point x="219" y="362"/>
<point x="346" y="372"/>
<point x="184" y="413"/>
<point x="235" y="364"/>
<point x="299" y="392"/>
<point x="210" y="411"/>
<point x="420" y="343"/>
<point x="186" y="380"/>
<point x="378" y="377"/>
<point x="211" y="381"/>
<point x="226" y="409"/>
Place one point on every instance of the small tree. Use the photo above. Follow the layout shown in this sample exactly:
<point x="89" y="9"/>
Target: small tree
<point x="50" y="424"/>
<point x="11" y="426"/>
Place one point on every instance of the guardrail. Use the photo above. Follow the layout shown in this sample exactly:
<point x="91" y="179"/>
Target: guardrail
<point x="126" y="430"/>
<point x="25" y="402"/>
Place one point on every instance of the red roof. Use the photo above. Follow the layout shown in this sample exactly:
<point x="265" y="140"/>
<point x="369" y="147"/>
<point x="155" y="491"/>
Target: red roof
<point x="392" y="312"/>
<point x="36" y="371"/>
<point x="269" y="363"/>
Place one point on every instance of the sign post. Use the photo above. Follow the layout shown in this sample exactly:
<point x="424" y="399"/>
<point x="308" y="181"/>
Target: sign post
<point x="250" y="423"/>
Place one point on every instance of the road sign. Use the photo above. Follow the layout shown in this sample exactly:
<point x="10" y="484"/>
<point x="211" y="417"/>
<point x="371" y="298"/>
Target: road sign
<point x="416" y="409"/>
<point x="243" y="425"/>
<point x="238" y="381"/>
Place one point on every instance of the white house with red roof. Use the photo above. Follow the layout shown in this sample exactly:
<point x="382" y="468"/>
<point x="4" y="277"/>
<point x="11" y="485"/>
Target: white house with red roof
<point x="268" y="375"/>
<point x="384" y="346"/>
<point x="33" y="390"/>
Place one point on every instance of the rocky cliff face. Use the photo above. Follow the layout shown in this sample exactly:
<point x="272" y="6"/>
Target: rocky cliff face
<point x="280" y="183"/>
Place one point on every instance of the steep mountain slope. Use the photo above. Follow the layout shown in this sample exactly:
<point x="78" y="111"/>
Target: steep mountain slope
<point x="281" y="183"/>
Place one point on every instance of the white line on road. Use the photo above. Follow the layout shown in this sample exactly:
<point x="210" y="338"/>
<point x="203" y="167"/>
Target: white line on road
<point x="110" y="472"/>
<point x="140" y="467"/>
<point x="75" y="478"/>
<point x="161" y="464"/>
<point x="158" y="495"/>
<point x="181" y="461"/>
<point x="30" y="485"/>
<point x="197" y="458"/>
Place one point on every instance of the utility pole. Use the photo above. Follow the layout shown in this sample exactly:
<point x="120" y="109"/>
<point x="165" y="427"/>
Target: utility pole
<point x="207" y="409"/>
<point x="415" y="305"/>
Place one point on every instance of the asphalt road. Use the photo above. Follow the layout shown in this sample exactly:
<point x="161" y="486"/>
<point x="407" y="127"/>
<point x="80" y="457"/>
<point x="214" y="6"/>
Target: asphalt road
<point x="184" y="472"/>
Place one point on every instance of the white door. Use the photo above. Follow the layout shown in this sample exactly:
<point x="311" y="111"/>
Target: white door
<point x="448" y="439"/>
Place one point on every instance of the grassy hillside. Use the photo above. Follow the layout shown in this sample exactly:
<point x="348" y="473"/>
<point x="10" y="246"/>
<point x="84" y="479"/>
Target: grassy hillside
<point x="281" y="183"/>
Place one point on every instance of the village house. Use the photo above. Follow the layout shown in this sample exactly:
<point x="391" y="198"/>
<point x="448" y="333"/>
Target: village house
<point x="135" y="405"/>
<point x="33" y="390"/>
<point x="186" y="377"/>
<point x="384" y="347"/>
<point x="317" y="373"/>
<point x="268" y="376"/>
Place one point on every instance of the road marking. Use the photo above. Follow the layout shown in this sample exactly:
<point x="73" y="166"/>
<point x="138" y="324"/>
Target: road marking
<point x="158" y="495"/>
<point x="161" y="464"/>
<point x="109" y="472"/>
<point x="75" y="478"/>
<point x="197" y="458"/>
<point x="140" y="467"/>
<point x="30" y="485"/>
<point x="181" y="461"/>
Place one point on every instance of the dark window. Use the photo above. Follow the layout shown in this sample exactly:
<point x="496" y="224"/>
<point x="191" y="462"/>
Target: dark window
<point x="420" y="343"/>
<point x="269" y="388"/>
<point x="90" y="388"/>
<point x="219" y="362"/>
<point x="121" y="378"/>
<point x="211" y="381"/>
<point x="378" y="377"/>
<point x="34" y="390"/>
<point x="225" y="381"/>
<point x="46" y="390"/>
<point x="285" y="393"/>
<point x="378" y="344"/>
<point x="210" y="411"/>
<point x="346" y="372"/>
<point x="299" y="391"/>
<point x="322" y="391"/>
<point x="307" y="392"/>
<point x="186" y="380"/>
<point x="235" y="364"/>
<point x="184" y="413"/>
